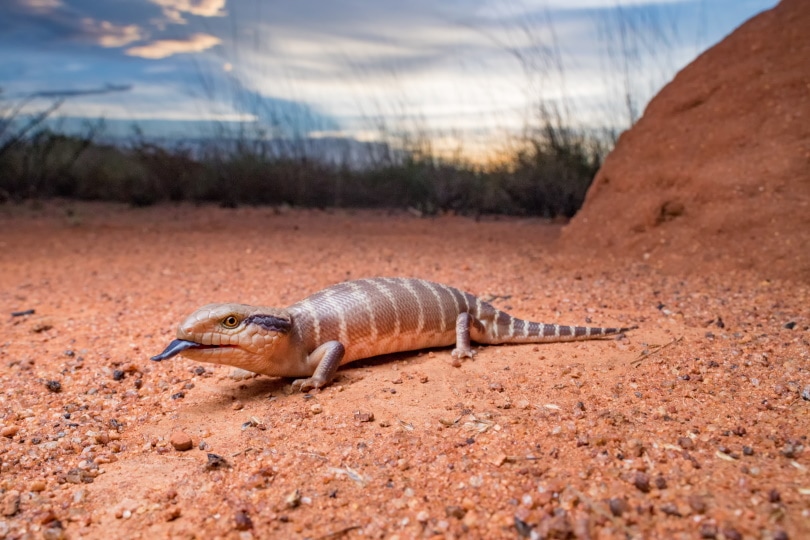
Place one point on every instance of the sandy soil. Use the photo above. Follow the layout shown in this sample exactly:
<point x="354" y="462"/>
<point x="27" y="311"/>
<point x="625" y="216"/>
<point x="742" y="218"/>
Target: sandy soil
<point x="692" y="426"/>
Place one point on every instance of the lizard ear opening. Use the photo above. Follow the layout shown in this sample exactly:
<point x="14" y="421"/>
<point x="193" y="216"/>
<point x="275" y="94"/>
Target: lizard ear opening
<point x="272" y="323"/>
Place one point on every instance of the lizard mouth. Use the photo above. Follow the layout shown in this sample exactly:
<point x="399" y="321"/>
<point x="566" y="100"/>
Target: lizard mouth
<point x="179" y="345"/>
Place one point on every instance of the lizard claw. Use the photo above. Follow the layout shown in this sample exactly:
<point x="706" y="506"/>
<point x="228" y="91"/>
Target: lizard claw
<point x="305" y="385"/>
<point x="461" y="353"/>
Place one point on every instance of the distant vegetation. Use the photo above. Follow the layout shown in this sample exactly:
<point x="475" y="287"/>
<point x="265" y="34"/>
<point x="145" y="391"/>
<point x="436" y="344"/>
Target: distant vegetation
<point x="547" y="175"/>
<point x="546" y="171"/>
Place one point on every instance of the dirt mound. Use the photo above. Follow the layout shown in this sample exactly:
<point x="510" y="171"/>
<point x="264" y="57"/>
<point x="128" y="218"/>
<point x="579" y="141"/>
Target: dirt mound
<point x="716" y="173"/>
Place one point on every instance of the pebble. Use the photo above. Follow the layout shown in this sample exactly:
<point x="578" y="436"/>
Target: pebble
<point x="670" y="509"/>
<point x="697" y="504"/>
<point x="642" y="482"/>
<point x="243" y="521"/>
<point x="37" y="486"/>
<point x="454" y="511"/>
<point x="708" y="530"/>
<point x="362" y="416"/>
<point x="11" y="503"/>
<point x="686" y="443"/>
<point x="9" y="431"/>
<point x="181" y="441"/>
<point x="316" y="408"/>
<point x="618" y="506"/>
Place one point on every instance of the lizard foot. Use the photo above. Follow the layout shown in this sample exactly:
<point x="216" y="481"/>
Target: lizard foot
<point x="458" y="354"/>
<point x="304" y="385"/>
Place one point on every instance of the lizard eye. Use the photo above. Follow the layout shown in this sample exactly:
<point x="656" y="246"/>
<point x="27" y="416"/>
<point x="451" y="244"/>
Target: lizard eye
<point x="230" y="322"/>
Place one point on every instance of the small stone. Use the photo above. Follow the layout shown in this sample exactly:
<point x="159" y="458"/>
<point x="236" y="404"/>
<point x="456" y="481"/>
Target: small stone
<point x="38" y="486"/>
<point x="118" y="375"/>
<point x="660" y="482"/>
<point x="53" y="530"/>
<point x="774" y="496"/>
<point x="53" y="386"/>
<point x="642" y="482"/>
<point x="293" y="500"/>
<point x="238" y="406"/>
<point x="618" y="506"/>
<point x="789" y="325"/>
<point x="172" y="513"/>
<point x="806" y="393"/>
<point x="422" y="517"/>
<point x="181" y="441"/>
<point x="739" y="431"/>
<point x="708" y="530"/>
<point x="670" y="509"/>
<point x="454" y="511"/>
<point x="74" y="476"/>
<point x="363" y="416"/>
<point x="686" y="443"/>
<point x="316" y="408"/>
<point x="791" y="450"/>
<point x="9" y="431"/>
<point x="780" y="535"/>
<point x="732" y="534"/>
<point x="216" y="462"/>
<point x="243" y="521"/>
<point x="748" y="451"/>
<point x="239" y="374"/>
<point x="697" y="504"/>
<point x="11" y="503"/>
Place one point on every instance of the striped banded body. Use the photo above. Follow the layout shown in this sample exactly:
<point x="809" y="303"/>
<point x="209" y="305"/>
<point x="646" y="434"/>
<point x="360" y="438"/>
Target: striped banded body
<point x="353" y="320"/>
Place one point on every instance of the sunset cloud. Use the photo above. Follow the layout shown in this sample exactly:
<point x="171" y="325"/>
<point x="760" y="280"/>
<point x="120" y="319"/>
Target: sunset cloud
<point x="174" y="9"/>
<point x="168" y="47"/>
<point x="41" y="6"/>
<point x="107" y="34"/>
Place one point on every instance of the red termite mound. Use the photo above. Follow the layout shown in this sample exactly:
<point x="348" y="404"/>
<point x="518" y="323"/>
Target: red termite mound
<point x="717" y="171"/>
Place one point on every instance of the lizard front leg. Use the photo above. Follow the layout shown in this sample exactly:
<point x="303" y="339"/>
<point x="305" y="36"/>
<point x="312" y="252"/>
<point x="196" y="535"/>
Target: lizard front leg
<point x="463" y="350"/>
<point x="326" y="359"/>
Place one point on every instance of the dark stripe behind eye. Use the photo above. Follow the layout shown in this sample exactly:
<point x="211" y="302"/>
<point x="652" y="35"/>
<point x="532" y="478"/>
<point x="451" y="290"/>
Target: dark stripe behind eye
<point x="270" y="322"/>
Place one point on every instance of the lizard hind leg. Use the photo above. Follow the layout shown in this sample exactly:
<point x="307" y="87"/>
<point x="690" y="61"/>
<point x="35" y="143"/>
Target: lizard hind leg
<point x="327" y="358"/>
<point x="463" y="324"/>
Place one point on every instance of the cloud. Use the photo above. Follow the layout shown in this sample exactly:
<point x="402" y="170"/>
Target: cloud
<point x="106" y="89"/>
<point x="164" y="48"/>
<point x="41" y="6"/>
<point x="108" y="34"/>
<point x="174" y="9"/>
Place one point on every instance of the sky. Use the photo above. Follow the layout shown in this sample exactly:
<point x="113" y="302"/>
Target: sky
<point x="456" y="70"/>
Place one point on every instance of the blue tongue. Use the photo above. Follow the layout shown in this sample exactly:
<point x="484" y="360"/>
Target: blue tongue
<point x="175" y="347"/>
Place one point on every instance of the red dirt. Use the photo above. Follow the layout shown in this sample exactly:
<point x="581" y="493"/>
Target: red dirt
<point x="548" y="434"/>
<point x="694" y="425"/>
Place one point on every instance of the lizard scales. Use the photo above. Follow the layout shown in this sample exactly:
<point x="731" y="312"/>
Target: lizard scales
<point x="353" y="320"/>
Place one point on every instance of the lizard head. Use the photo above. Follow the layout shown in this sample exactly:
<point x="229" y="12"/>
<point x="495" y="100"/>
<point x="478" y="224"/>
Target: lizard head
<point x="234" y="334"/>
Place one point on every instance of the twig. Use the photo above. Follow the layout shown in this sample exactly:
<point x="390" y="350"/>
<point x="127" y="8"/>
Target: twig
<point x="339" y="532"/>
<point x="646" y="354"/>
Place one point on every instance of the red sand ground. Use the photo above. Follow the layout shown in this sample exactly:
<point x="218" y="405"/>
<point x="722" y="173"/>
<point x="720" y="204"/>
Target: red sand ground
<point x="694" y="425"/>
<point x="645" y="436"/>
